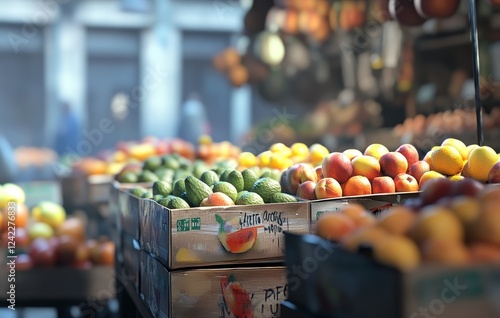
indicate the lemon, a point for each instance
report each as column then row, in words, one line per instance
column 481, row 159
column 282, row 149
column 447, row 160
column 265, row 158
column 317, row 153
column 247, row 159
column 10, row 192
column 457, row 144
column 299, row 149
column 40, row 229
column 50, row 213
column 470, row 148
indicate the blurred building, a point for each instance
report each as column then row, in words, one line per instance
column 124, row 67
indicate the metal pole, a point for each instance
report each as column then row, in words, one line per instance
column 475, row 68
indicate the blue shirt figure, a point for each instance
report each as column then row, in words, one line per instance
column 68, row 132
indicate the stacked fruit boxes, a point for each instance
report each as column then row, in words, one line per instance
column 222, row 261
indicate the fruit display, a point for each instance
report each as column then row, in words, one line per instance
column 45, row 236
column 450, row 223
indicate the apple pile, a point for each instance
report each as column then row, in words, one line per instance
column 45, row 236
column 450, row 223
column 352, row 172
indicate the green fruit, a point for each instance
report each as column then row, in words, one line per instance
column 152, row 163
column 209, row 177
column 249, row 178
column 185, row 198
column 162, row 187
column 266, row 188
column 227, row 164
column 181, row 174
column 225, row 174
column 271, row 173
column 236, row 179
column 282, row 198
column 127, row 177
column 199, row 168
column 219, row 171
column 147, row 195
column 179, row 187
column 250, row 198
column 239, row 195
column 226, row 188
column 157, row 197
column 164, row 201
column 170, row 162
column 148, row 176
column 177, row 203
column 196, row 190
column 138, row 192
column 165, row 174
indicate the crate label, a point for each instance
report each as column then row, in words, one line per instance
column 273, row 222
column 195, row 224
column 186, row 225
column 183, row 225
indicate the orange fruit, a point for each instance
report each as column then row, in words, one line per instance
column 357, row 185
column 334, row 226
column 447, row 160
column 397, row 251
column 363, row 236
column 457, row 144
column 398, row 220
column 481, row 159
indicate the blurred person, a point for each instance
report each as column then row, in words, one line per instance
column 68, row 131
column 193, row 119
column 8, row 165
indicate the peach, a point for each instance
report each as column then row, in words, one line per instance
column 418, row 169
column 445, row 252
column 393, row 163
column 487, row 225
column 319, row 172
column 328, row 188
column 466, row 170
column 410, row 153
column 306, row 190
column 338, row 166
column 397, row 251
column 437, row 223
column 383, row 184
column 363, row 236
column 467, row 186
column 334, row 226
column 358, row 214
column 484, row 252
column 352, row 153
column 405, row 183
column 397, row 220
column 489, row 193
column 494, row 174
column 297, row 174
column 376, row 150
column 467, row 211
column 365, row 166
column 357, row 185
column 429, row 175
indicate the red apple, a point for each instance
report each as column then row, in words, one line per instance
column 435, row 189
column 410, row 153
column 328, row 188
column 467, row 186
column 383, row 184
column 42, row 253
column 306, row 190
column 338, row 166
column 405, row 183
column 418, row 169
column 297, row 174
column 393, row 163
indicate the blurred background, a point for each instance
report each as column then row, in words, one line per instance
column 81, row 76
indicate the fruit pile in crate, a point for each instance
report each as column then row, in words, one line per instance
column 378, row 170
column 45, row 237
column 450, row 222
column 435, row 254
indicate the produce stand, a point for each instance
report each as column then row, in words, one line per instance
column 62, row 288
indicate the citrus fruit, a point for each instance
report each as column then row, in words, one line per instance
column 481, row 159
column 447, row 160
column 457, row 144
